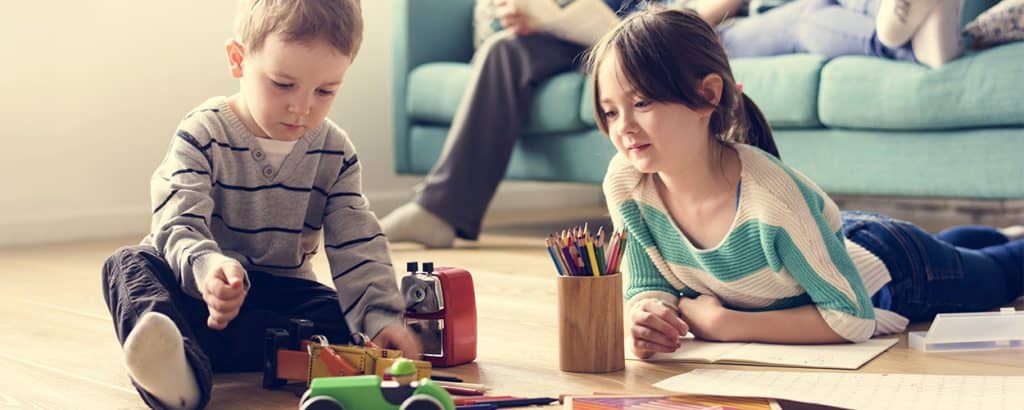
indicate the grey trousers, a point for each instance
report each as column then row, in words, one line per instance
column 492, row 114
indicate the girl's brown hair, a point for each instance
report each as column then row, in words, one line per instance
column 665, row 54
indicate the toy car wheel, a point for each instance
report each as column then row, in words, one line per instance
column 422, row 402
column 321, row 403
column 305, row 396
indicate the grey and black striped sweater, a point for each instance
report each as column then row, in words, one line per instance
column 215, row 196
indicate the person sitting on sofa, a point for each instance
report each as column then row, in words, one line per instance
column 923, row 31
column 506, row 70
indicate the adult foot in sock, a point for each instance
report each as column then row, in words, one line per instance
column 937, row 41
column 154, row 354
column 897, row 20
column 412, row 223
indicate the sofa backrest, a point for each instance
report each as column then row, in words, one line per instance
column 972, row 8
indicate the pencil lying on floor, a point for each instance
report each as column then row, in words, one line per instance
column 575, row 252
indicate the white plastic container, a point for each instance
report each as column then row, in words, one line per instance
column 955, row 332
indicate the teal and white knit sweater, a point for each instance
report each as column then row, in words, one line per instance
column 785, row 249
column 217, row 197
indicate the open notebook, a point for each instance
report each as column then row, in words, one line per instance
column 849, row 356
column 855, row 390
column 667, row 402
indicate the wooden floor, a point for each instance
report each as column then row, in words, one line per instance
column 58, row 350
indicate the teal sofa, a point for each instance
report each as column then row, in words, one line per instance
column 856, row 125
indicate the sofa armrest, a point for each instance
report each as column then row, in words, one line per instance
column 424, row 31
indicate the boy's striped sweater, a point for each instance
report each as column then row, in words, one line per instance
column 785, row 249
column 216, row 197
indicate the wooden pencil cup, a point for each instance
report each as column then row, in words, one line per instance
column 590, row 335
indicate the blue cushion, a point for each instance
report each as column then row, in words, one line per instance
column 784, row 87
column 977, row 163
column 578, row 156
column 980, row 90
column 435, row 90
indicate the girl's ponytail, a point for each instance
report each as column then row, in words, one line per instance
column 759, row 133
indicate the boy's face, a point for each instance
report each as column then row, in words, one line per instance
column 287, row 87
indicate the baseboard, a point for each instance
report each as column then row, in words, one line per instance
column 931, row 213
column 936, row 214
column 134, row 220
column 110, row 223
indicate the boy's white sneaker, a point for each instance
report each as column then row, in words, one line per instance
column 154, row 354
column 412, row 223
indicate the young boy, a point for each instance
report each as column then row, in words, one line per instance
column 239, row 204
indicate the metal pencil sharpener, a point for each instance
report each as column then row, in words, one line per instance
column 441, row 311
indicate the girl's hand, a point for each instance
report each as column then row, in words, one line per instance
column 704, row 315
column 657, row 327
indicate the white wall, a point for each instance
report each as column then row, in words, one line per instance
column 91, row 92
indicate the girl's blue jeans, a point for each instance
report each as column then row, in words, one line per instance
column 830, row 28
column 963, row 269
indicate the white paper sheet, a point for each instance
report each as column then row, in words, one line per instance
column 858, row 390
column 850, row 356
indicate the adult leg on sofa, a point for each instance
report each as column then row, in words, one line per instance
column 492, row 113
column 844, row 30
column 771, row 33
column 898, row 20
column 937, row 40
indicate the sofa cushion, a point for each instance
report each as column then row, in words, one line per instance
column 975, row 163
column 979, row 90
column 435, row 90
column 784, row 87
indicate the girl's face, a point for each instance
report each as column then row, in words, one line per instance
column 653, row 136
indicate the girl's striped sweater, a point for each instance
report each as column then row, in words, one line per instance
column 785, row 249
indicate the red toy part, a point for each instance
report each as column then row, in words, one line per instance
column 336, row 364
column 458, row 331
column 292, row 364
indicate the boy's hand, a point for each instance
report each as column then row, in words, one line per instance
column 224, row 291
column 656, row 328
column 397, row 336
column 512, row 17
column 704, row 315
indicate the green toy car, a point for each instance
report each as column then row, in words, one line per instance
column 371, row 393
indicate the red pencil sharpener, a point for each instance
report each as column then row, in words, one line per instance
column 441, row 311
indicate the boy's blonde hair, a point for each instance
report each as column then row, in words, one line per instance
column 339, row 22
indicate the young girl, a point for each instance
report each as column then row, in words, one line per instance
column 729, row 243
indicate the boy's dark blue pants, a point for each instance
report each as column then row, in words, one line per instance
column 136, row 280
